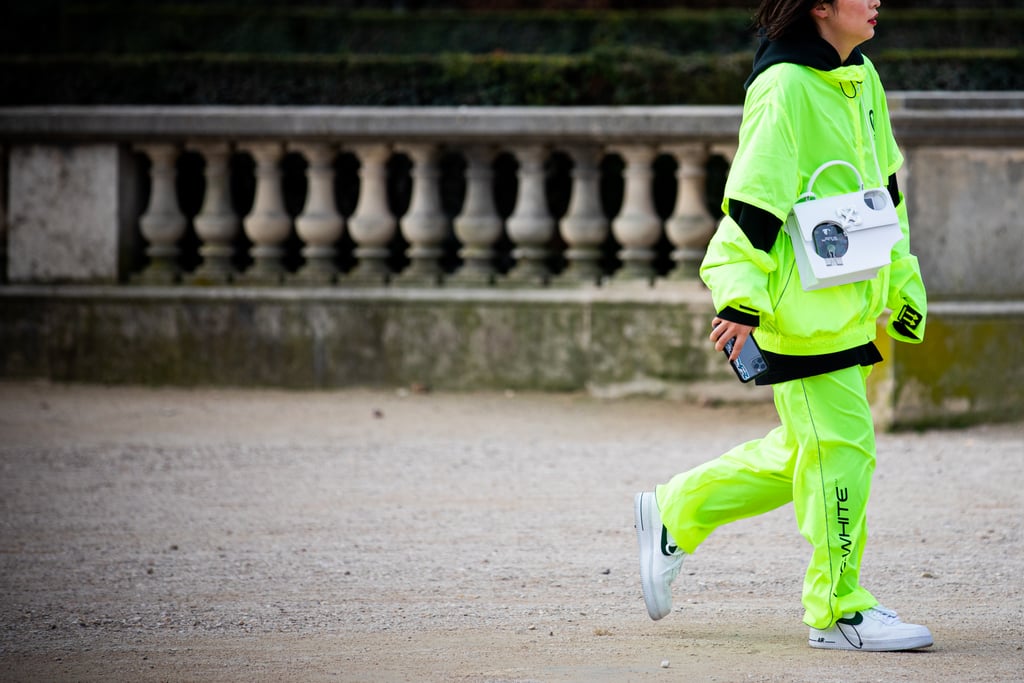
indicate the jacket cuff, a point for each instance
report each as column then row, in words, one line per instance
column 907, row 325
column 743, row 317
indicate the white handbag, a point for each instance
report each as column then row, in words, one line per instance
column 844, row 238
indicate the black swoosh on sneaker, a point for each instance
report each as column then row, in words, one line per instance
column 669, row 550
column 853, row 622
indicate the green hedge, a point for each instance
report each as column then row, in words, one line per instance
column 613, row 76
column 266, row 52
column 999, row 69
column 305, row 30
column 144, row 28
column 604, row 77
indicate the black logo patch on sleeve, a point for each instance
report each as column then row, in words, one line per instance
column 907, row 319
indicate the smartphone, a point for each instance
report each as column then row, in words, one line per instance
column 751, row 363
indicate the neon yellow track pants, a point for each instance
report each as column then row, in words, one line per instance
column 821, row 458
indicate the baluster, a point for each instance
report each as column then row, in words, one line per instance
column 372, row 226
column 531, row 226
column 3, row 214
column 478, row 226
column 216, row 224
column 725, row 150
column 637, row 227
column 585, row 226
column 425, row 225
column 320, row 225
column 162, row 224
column 691, row 226
column 268, row 224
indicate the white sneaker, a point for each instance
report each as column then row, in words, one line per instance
column 660, row 559
column 873, row 630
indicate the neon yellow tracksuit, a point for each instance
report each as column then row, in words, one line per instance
column 822, row 456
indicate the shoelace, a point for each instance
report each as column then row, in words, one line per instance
column 884, row 615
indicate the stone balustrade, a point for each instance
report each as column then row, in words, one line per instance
column 609, row 227
column 400, row 207
column 121, row 174
column 259, row 195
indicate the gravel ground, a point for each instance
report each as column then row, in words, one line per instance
column 229, row 535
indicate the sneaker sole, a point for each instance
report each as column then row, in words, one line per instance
column 643, row 522
column 900, row 645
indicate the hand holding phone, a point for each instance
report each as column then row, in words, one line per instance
column 750, row 364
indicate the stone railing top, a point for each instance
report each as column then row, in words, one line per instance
column 459, row 124
column 965, row 118
column 944, row 99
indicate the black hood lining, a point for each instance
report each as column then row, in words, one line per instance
column 805, row 50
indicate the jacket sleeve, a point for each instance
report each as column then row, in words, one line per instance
column 763, row 176
column 736, row 272
column 906, row 297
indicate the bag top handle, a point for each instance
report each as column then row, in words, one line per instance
column 809, row 194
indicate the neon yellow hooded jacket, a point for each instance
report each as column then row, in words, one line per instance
column 795, row 118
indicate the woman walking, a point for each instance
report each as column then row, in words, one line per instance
column 812, row 98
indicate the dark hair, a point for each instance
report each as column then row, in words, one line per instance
column 781, row 18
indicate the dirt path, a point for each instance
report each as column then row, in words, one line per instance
column 218, row 535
